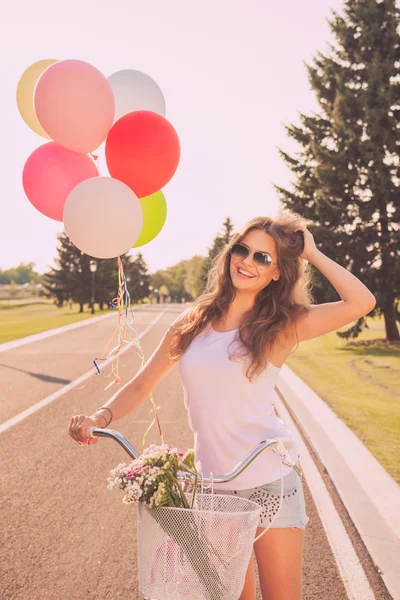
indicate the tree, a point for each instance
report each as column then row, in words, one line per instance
column 72, row 279
column 219, row 242
column 24, row 273
column 173, row 278
column 139, row 278
column 347, row 171
column 193, row 283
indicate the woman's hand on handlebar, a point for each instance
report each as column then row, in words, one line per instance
column 77, row 429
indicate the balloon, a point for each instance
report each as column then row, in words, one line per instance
column 51, row 173
column 103, row 217
column 154, row 214
column 134, row 90
column 75, row 105
column 143, row 151
column 25, row 90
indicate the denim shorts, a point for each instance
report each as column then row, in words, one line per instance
column 292, row 512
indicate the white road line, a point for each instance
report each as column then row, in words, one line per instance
column 350, row 569
column 32, row 409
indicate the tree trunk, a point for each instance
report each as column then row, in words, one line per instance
column 81, row 308
column 392, row 333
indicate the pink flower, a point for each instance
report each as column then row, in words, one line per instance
column 132, row 474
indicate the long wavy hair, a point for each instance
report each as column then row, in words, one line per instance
column 276, row 307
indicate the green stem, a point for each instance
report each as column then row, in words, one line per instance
column 182, row 495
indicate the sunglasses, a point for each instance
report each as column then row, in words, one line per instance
column 262, row 259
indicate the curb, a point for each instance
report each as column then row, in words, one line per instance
column 369, row 493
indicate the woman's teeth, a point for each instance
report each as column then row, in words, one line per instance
column 244, row 274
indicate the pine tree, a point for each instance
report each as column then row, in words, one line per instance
column 138, row 276
column 347, row 171
column 219, row 242
column 72, row 279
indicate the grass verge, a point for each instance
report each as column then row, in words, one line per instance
column 360, row 384
column 27, row 319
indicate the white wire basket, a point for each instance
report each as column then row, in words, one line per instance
column 199, row 553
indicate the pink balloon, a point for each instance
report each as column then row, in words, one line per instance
column 51, row 173
column 75, row 105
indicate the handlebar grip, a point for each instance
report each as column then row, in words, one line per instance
column 89, row 431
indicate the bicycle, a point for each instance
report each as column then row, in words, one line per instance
column 201, row 552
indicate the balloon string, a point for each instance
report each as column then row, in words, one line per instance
column 125, row 298
column 125, row 321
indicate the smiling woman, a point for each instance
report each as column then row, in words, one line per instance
column 257, row 300
column 259, row 284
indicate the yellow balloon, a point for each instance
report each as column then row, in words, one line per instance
column 25, row 90
column 154, row 215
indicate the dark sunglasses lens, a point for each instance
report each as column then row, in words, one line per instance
column 239, row 250
column 263, row 259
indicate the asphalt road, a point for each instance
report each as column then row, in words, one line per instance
column 64, row 535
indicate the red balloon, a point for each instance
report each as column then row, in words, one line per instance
column 143, row 151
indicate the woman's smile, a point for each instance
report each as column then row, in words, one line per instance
column 244, row 274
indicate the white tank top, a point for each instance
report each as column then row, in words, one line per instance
column 228, row 414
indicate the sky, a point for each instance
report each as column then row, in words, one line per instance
column 233, row 75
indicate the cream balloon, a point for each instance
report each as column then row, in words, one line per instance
column 134, row 90
column 103, row 217
column 25, row 90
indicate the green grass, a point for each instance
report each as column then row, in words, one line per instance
column 20, row 318
column 360, row 384
column 26, row 319
column 6, row 303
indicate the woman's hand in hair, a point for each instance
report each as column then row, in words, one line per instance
column 309, row 244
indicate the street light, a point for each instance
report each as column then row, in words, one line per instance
column 93, row 268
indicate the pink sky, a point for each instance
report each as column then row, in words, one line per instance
column 232, row 74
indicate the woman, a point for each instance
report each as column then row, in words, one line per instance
column 257, row 301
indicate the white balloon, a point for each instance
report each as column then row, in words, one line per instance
column 134, row 90
column 103, row 217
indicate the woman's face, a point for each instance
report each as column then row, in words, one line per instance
column 256, row 240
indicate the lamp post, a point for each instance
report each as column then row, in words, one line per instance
column 93, row 268
column 141, row 283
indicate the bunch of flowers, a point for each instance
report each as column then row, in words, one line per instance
column 153, row 477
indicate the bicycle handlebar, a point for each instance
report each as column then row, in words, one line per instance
column 282, row 446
